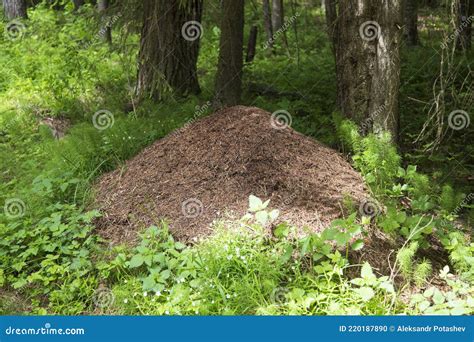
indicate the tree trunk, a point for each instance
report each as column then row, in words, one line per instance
column 411, row 22
column 277, row 15
column 14, row 9
column 367, row 42
column 464, row 24
column 252, row 43
column 267, row 23
column 330, row 8
column 106, row 30
column 229, row 69
column 169, row 48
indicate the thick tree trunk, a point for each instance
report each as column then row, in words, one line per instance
column 229, row 69
column 277, row 15
column 464, row 24
column 14, row 9
column 267, row 23
column 411, row 22
column 252, row 44
column 367, row 42
column 169, row 48
column 106, row 30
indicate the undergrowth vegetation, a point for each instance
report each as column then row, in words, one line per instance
column 52, row 262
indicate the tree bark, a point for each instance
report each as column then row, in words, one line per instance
column 464, row 24
column 267, row 23
column 229, row 69
column 169, row 48
column 277, row 15
column 14, row 9
column 330, row 8
column 367, row 39
column 252, row 43
column 411, row 22
column 106, row 30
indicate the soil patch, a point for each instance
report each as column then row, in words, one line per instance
column 207, row 170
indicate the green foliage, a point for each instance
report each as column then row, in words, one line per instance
column 461, row 253
column 54, row 252
column 458, row 299
column 410, row 269
column 422, row 272
column 157, row 259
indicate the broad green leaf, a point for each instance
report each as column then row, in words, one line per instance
column 282, row 231
column 357, row 245
column 261, row 217
column 366, row 272
column 273, row 215
column 136, row 261
column 366, row 293
column 255, row 203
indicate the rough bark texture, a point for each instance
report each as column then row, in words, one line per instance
column 464, row 24
column 169, row 48
column 267, row 22
column 229, row 69
column 330, row 7
column 277, row 15
column 366, row 36
column 106, row 31
column 252, row 43
column 14, row 9
column 411, row 22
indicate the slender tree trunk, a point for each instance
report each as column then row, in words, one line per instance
column 411, row 22
column 267, row 23
column 330, row 8
column 277, row 15
column 169, row 48
column 252, row 43
column 367, row 42
column 464, row 24
column 106, row 30
column 229, row 69
column 278, row 20
column 14, row 9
